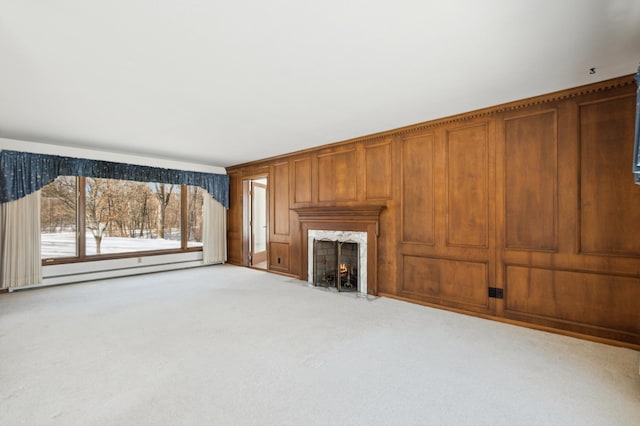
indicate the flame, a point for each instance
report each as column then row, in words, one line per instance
column 343, row 268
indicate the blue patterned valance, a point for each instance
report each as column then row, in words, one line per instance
column 22, row 173
column 636, row 149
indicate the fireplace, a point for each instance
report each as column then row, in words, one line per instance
column 338, row 259
column 351, row 230
column 336, row 264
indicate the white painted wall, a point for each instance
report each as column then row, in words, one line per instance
column 83, row 271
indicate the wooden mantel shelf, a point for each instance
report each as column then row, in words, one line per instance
column 362, row 213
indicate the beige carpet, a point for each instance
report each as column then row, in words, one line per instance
column 224, row 345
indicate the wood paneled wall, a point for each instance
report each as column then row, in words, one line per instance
column 533, row 199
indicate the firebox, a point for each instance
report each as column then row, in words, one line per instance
column 335, row 264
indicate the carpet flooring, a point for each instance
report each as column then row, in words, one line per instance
column 224, row 345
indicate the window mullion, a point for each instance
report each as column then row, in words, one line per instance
column 81, row 219
column 183, row 217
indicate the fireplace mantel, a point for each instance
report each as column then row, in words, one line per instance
column 362, row 218
column 361, row 214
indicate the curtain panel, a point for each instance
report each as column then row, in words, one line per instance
column 23, row 173
column 214, row 235
column 20, row 263
column 636, row 149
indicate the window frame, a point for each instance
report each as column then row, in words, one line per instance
column 81, row 255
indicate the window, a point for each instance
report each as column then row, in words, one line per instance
column 58, row 213
column 117, row 218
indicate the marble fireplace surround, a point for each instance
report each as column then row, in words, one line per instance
column 359, row 224
column 343, row 236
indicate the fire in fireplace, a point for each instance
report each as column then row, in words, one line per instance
column 335, row 264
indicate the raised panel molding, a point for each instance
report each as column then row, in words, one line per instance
column 604, row 303
column 378, row 171
column 530, row 182
column 234, row 223
column 302, row 180
column 418, row 203
column 280, row 187
column 279, row 257
column 467, row 223
column 608, row 197
column 454, row 281
column 337, row 173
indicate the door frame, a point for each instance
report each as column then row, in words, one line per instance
column 246, row 218
column 258, row 257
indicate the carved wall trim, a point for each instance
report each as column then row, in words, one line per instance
column 614, row 83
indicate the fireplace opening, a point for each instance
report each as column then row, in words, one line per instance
column 335, row 264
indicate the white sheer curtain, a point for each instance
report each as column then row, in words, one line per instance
column 20, row 263
column 214, row 235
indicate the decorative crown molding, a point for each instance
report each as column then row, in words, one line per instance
column 602, row 86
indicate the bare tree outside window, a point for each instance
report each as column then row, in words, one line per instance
column 194, row 215
column 163, row 193
column 100, row 208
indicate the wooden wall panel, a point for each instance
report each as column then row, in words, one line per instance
column 447, row 280
column 467, row 187
column 234, row 222
column 279, row 257
column 584, row 300
column 418, row 190
column 280, row 186
column 378, row 173
column 531, row 171
column 609, row 200
column 337, row 172
column 535, row 197
column 302, row 180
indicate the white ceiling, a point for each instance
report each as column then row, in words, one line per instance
column 223, row 83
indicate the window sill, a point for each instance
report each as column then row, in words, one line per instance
column 112, row 256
